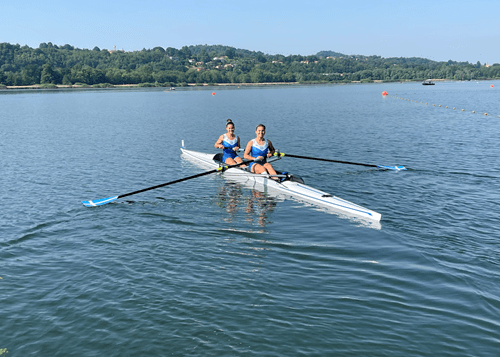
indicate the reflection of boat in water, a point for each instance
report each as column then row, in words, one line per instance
column 291, row 187
column 259, row 205
column 253, row 206
column 428, row 82
column 228, row 198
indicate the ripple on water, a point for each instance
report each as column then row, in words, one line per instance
column 206, row 267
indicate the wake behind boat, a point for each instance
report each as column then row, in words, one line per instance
column 289, row 185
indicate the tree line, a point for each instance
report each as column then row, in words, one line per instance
column 50, row 65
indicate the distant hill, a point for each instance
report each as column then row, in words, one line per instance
column 50, row 65
column 220, row 50
column 325, row 54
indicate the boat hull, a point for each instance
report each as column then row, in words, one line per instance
column 287, row 189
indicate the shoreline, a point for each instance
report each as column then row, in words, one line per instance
column 65, row 86
column 118, row 86
column 191, row 85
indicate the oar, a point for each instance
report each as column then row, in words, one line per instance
column 397, row 168
column 104, row 201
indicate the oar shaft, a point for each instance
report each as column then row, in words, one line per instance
column 329, row 160
column 103, row 201
column 168, row 183
column 222, row 168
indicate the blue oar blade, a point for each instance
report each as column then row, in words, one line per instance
column 395, row 168
column 100, row 202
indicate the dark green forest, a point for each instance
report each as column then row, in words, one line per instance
column 51, row 65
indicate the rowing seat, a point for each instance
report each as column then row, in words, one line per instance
column 218, row 158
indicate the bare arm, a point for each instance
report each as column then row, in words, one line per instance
column 218, row 143
column 248, row 150
column 237, row 147
column 271, row 149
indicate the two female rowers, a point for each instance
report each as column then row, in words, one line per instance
column 257, row 150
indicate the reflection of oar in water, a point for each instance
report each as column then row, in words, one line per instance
column 396, row 168
column 104, row 201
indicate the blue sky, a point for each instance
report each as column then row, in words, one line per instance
column 439, row 30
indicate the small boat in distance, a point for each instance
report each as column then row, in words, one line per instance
column 428, row 82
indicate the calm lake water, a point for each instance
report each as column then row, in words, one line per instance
column 208, row 267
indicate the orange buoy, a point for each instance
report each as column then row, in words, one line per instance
column 384, row 93
column 492, row 86
column 213, row 93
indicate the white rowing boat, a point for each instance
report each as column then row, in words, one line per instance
column 290, row 185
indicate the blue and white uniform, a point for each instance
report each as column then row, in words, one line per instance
column 229, row 144
column 258, row 150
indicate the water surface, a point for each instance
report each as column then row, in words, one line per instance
column 210, row 267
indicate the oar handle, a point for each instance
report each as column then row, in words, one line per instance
column 226, row 148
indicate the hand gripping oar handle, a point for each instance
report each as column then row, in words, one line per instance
column 341, row 162
column 226, row 148
column 103, row 201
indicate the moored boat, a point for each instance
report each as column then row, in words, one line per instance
column 289, row 186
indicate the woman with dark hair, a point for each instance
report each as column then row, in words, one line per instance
column 230, row 143
column 258, row 150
